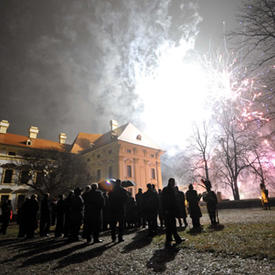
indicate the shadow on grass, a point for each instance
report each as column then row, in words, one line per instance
column 140, row 240
column 9, row 241
column 50, row 256
column 161, row 257
column 27, row 248
column 78, row 258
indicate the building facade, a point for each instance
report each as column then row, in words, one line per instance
column 123, row 152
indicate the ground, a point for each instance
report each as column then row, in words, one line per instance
column 245, row 244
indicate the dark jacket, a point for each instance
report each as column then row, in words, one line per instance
column 193, row 201
column 150, row 203
column 94, row 202
column 118, row 198
column 169, row 203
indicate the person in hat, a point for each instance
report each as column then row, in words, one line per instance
column 118, row 198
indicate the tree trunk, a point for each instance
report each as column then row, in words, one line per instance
column 236, row 193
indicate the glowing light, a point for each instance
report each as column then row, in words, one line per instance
column 179, row 92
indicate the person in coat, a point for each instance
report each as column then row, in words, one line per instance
column 211, row 201
column 76, row 215
column 94, row 202
column 170, row 211
column 45, row 216
column 60, row 216
column 31, row 208
column 6, row 215
column 118, row 198
column 150, row 202
column 182, row 210
column 194, row 209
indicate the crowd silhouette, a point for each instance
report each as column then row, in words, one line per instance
column 86, row 213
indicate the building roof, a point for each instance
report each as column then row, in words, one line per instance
column 36, row 143
column 84, row 142
column 128, row 133
column 132, row 135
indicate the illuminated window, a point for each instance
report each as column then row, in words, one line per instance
column 153, row 173
column 129, row 171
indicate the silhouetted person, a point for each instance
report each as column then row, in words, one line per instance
column 76, row 215
column 21, row 220
column 45, row 216
column 141, row 220
column 131, row 212
column 68, row 213
column 150, row 209
column 106, row 212
column 60, row 216
column 182, row 210
column 160, row 212
column 6, row 215
column 31, row 208
column 194, row 210
column 117, row 198
column 53, row 211
column 170, row 211
column 94, row 202
column 211, row 201
column 85, row 223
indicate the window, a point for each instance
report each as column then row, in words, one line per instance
column 98, row 156
column 11, row 153
column 129, row 151
column 24, row 177
column 138, row 137
column 98, row 175
column 110, row 172
column 129, row 171
column 88, row 159
column 110, row 152
column 153, row 171
column 29, row 142
column 152, row 155
column 8, row 176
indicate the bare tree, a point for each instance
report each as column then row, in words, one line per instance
column 256, row 34
column 253, row 42
column 52, row 171
column 262, row 166
column 202, row 147
column 231, row 157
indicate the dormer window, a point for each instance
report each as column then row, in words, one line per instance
column 138, row 137
column 28, row 142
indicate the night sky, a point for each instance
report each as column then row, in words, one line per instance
column 67, row 66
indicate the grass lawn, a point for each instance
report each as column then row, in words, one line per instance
column 246, row 240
